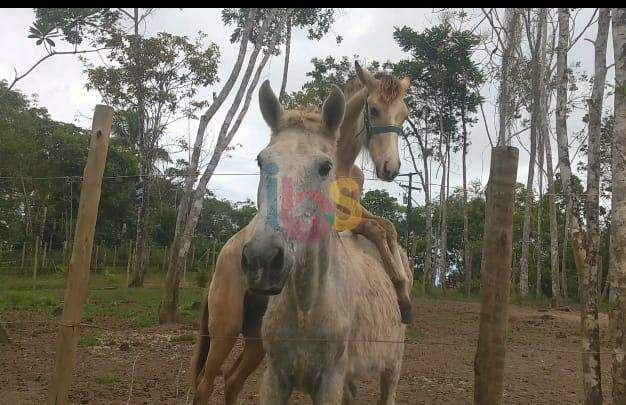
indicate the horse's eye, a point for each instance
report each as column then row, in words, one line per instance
column 259, row 161
column 374, row 112
column 325, row 168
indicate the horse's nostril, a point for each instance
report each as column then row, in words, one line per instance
column 386, row 171
column 276, row 262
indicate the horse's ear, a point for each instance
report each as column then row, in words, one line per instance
column 405, row 83
column 333, row 110
column 365, row 77
column 270, row 106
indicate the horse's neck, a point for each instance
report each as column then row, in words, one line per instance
column 311, row 272
column 352, row 133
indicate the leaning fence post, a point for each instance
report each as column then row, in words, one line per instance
column 78, row 275
column 498, row 251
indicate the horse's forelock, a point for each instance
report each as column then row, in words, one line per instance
column 306, row 119
column 389, row 87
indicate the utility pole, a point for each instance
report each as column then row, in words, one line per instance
column 410, row 188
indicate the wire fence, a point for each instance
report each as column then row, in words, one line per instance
column 301, row 339
column 180, row 357
column 170, row 176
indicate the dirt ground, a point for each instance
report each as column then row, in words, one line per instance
column 542, row 364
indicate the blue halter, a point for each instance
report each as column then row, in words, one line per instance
column 371, row 130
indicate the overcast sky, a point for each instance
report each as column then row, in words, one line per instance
column 59, row 82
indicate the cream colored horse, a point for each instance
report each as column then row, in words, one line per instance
column 230, row 309
column 332, row 318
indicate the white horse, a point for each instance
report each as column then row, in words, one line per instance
column 333, row 316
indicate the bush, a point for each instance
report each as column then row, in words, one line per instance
column 202, row 278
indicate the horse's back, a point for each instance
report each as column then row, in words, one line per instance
column 377, row 330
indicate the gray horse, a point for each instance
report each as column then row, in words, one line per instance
column 333, row 315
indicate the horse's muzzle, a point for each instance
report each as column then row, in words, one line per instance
column 263, row 263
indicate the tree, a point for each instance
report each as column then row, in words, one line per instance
column 617, row 300
column 326, row 72
column 151, row 82
column 380, row 203
column 589, row 273
column 317, row 22
column 585, row 260
column 538, row 50
column 191, row 203
column 44, row 160
column 72, row 26
column 444, row 94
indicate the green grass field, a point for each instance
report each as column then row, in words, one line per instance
column 108, row 297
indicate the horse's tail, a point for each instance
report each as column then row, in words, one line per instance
column 202, row 344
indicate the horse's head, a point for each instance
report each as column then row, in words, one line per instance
column 385, row 113
column 293, row 195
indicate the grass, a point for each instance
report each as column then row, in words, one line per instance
column 183, row 338
column 90, row 340
column 108, row 297
column 414, row 335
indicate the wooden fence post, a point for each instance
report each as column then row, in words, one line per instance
column 495, row 276
column 78, row 274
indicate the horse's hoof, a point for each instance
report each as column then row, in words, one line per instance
column 406, row 312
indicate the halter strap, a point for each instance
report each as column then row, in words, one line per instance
column 372, row 130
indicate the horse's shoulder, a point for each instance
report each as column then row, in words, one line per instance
column 358, row 247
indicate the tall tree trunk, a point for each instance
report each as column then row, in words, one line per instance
column 444, row 219
column 554, row 232
column 466, row 247
column 143, row 214
column 283, row 85
column 505, row 113
column 427, row 278
column 590, row 324
column 536, row 85
column 192, row 172
column 539, row 247
column 145, row 162
column 617, row 292
column 561, row 128
column 607, row 284
column 563, row 270
column 182, row 243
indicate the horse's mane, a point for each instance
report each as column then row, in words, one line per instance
column 389, row 89
column 308, row 119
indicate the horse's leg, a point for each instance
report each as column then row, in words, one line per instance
column 389, row 384
column 372, row 230
column 253, row 353
column 349, row 393
column 274, row 389
column 225, row 305
column 251, row 357
column 332, row 385
column 219, row 350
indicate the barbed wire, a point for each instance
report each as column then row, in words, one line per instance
column 299, row 339
column 134, row 176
